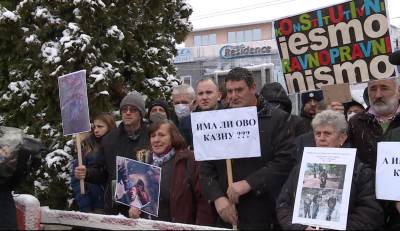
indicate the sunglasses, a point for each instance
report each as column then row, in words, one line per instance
column 125, row 109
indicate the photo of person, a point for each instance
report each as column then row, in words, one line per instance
column 138, row 185
column 321, row 204
column 324, row 176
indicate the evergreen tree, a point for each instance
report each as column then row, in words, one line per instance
column 118, row 42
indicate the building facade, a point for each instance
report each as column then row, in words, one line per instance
column 214, row 51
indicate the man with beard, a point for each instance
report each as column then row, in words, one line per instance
column 368, row 128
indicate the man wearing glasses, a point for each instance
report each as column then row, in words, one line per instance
column 125, row 140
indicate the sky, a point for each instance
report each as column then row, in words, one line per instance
column 216, row 13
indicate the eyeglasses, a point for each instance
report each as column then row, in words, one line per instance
column 125, row 109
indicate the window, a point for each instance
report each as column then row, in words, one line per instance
column 187, row 79
column 197, row 40
column 205, row 40
column 212, row 39
column 256, row 34
column 244, row 36
column 248, row 35
column 231, row 37
column 240, row 36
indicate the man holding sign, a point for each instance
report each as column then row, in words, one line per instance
column 127, row 140
column 249, row 201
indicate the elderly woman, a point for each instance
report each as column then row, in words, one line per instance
column 180, row 196
column 365, row 212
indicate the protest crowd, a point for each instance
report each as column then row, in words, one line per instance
column 243, row 193
column 264, row 188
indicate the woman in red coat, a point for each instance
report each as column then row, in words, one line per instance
column 181, row 200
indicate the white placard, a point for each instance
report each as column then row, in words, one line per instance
column 388, row 171
column 226, row 134
column 325, row 175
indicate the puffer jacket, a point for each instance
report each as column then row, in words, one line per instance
column 265, row 174
column 365, row 212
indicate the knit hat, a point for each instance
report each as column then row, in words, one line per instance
column 134, row 98
column 307, row 96
column 161, row 103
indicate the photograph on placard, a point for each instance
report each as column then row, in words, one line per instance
column 324, row 176
column 74, row 103
column 321, row 204
column 138, row 185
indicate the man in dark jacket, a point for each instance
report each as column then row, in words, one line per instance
column 207, row 98
column 368, row 128
column 127, row 140
column 256, row 181
column 275, row 95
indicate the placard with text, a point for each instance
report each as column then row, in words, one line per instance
column 343, row 43
column 388, row 171
column 226, row 134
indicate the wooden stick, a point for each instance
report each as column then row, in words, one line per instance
column 79, row 148
column 230, row 179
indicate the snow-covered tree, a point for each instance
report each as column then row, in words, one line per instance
column 118, row 42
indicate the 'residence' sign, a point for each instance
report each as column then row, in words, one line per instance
column 344, row 43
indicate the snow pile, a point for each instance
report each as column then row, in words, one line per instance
column 110, row 222
column 114, row 32
column 51, row 51
column 7, row 15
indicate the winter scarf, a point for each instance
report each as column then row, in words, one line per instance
column 160, row 160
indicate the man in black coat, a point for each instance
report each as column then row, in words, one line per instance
column 249, row 202
column 127, row 140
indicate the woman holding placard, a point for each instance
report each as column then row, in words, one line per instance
column 330, row 130
column 180, row 196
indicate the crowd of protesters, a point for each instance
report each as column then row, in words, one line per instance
column 263, row 191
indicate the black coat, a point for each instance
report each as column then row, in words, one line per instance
column 265, row 174
column 115, row 143
column 365, row 212
column 365, row 132
column 8, row 217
